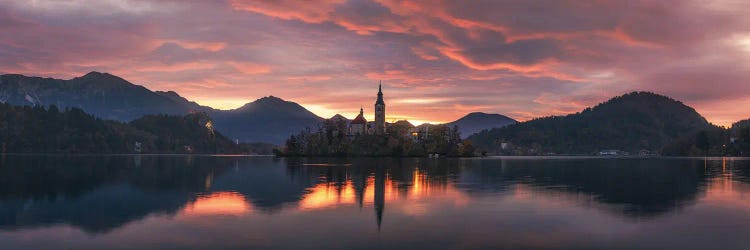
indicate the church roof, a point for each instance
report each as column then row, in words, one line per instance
column 359, row 120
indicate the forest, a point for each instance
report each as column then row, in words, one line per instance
column 38, row 129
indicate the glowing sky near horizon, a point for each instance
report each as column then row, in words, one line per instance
column 438, row 59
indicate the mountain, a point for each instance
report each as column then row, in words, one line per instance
column 184, row 102
column 101, row 94
column 403, row 123
column 269, row 119
column 478, row 121
column 632, row 122
column 339, row 117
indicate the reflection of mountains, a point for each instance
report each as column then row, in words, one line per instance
column 98, row 194
column 95, row 193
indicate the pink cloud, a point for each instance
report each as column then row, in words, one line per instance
column 308, row 11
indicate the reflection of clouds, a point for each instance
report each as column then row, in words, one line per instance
column 327, row 195
column 218, row 203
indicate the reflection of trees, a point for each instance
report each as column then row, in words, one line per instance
column 739, row 170
column 102, row 193
column 98, row 194
column 266, row 184
column 629, row 187
column 640, row 187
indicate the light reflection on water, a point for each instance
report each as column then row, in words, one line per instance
column 131, row 202
column 218, row 203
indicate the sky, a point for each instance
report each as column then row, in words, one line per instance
column 437, row 59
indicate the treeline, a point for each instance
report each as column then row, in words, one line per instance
column 331, row 139
column 25, row 129
column 713, row 142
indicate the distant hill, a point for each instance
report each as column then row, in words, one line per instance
column 268, row 119
column 403, row 123
column 478, row 121
column 632, row 122
column 106, row 96
column 339, row 117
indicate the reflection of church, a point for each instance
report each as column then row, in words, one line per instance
column 373, row 184
column 360, row 126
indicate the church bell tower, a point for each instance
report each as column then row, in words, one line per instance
column 380, row 112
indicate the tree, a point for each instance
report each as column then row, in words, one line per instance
column 701, row 141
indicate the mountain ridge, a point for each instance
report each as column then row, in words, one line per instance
column 111, row 97
column 101, row 94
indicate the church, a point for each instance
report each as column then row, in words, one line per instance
column 360, row 126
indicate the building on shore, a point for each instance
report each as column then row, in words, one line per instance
column 360, row 125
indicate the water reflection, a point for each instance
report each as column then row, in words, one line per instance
column 634, row 187
column 377, row 201
column 218, row 203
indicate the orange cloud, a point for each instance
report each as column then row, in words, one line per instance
column 250, row 68
column 209, row 46
column 308, row 11
column 177, row 67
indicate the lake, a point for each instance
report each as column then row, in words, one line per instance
column 225, row 202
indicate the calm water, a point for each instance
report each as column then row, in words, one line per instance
column 144, row 202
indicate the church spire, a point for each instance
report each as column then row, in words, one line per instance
column 380, row 94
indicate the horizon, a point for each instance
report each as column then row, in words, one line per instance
column 438, row 60
column 370, row 118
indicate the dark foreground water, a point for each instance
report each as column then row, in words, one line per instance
column 145, row 202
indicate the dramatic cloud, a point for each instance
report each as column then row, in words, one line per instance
column 438, row 59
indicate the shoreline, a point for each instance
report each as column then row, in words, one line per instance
column 132, row 154
column 511, row 157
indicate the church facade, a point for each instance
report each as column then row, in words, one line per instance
column 358, row 126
